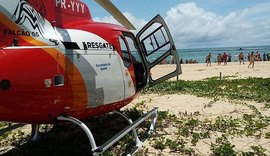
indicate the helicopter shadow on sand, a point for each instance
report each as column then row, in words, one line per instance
column 67, row 139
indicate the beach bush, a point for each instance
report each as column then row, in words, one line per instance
column 223, row 147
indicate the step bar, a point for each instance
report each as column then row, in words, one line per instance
column 10, row 127
column 131, row 127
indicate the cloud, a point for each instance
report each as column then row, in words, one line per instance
column 193, row 26
column 137, row 22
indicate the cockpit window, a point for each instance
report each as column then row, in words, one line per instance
column 136, row 60
column 134, row 51
column 125, row 52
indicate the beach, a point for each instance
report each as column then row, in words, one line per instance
column 207, row 108
column 233, row 69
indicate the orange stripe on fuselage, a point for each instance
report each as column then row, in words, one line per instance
column 78, row 92
column 78, row 89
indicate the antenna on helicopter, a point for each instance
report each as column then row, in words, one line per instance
column 116, row 13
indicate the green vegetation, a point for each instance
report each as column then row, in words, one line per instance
column 192, row 130
column 224, row 128
column 3, row 124
column 223, row 147
column 257, row 89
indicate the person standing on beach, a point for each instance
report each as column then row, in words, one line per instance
column 172, row 60
column 208, row 59
column 248, row 57
column 225, row 58
column 257, row 56
column 219, row 58
column 251, row 60
column 264, row 57
column 241, row 58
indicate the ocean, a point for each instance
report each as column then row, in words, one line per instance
column 199, row 54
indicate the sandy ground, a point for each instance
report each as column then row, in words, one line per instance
column 201, row 71
column 208, row 108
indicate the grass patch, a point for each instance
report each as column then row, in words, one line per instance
column 255, row 89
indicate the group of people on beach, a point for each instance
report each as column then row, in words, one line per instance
column 190, row 61
column 225, row 58
column 251, row 57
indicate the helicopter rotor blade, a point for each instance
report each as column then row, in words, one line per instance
column 116, row 13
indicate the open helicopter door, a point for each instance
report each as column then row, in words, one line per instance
column 158, row 48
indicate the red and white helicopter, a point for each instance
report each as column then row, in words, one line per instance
column 57, row 64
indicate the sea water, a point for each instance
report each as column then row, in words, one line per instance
column 199, row 54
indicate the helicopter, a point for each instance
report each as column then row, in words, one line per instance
column 58, row 64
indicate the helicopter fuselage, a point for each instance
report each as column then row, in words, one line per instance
column 56, row 61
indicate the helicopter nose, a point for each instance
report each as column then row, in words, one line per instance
column 5, row 83
column 5, row 87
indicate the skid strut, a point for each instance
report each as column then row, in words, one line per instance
column 131, row 127
column 35, row 132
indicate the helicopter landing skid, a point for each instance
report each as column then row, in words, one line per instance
column 131, row 127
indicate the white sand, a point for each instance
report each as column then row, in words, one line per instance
column 234, row 69
column 208, row 108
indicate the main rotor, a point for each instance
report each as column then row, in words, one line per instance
column 116, row 13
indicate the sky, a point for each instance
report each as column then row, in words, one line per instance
column 199, row 23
